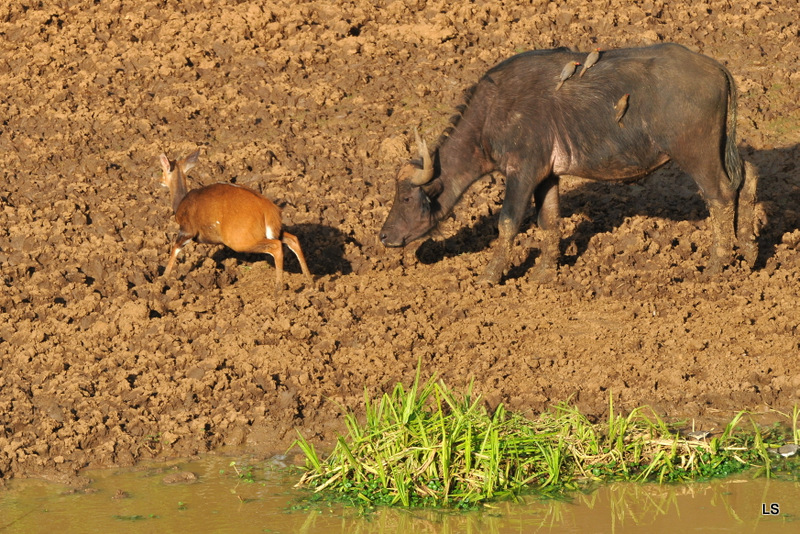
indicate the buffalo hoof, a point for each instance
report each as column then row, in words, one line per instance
column 715, row 268
column 494, row 272
column 544, row 273
column 749, row 252
column 489, row 278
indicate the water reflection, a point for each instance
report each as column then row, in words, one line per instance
column 221, row 498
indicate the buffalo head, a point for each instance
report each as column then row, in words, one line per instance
column 415, row 209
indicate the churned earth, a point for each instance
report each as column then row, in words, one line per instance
column 105, row 362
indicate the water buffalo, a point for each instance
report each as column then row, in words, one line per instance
column 680, row 106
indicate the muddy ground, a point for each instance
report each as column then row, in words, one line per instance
column 105, row 362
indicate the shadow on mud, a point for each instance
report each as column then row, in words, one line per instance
column 668, row 193
column 323, row 247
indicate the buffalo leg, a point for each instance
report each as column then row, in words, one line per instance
column 722, row 219
column 547, row 202
column 720, row 197
column 517, row 200
column 721, row 201
column 746, row 230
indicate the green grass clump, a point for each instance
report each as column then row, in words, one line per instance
column 427, row 446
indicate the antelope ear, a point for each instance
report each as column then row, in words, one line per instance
column 433, row 188
column 165, row 163
column 190, row 160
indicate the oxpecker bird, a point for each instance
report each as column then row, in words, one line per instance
column 566, row 72
column 621, row 107
column 591, row 59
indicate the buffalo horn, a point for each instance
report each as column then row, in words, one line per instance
column 425, row 174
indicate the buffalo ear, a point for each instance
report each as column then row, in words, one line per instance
column 433, row 189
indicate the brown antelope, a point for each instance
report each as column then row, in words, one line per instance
column 227, row 214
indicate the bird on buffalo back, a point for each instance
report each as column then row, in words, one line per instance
column 591, row 59
column 621, row 107
column 566, row 73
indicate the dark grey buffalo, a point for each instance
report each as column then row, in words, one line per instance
column 680, row 105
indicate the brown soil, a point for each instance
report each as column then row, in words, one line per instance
column 104, row 362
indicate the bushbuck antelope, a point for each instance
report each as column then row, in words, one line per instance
column 227, row 214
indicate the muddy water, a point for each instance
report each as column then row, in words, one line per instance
column 210, row 496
